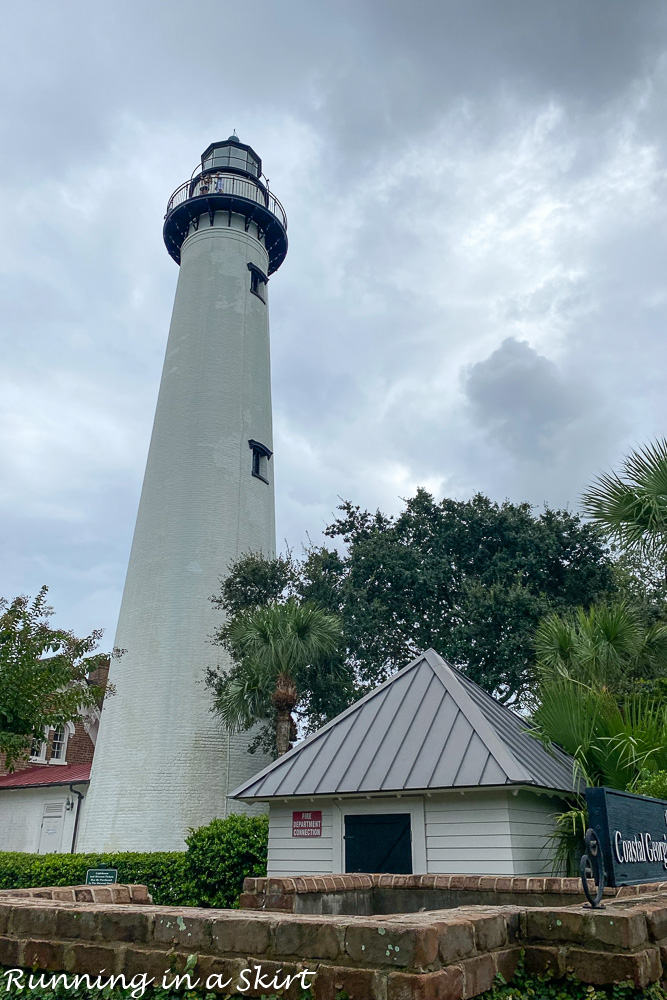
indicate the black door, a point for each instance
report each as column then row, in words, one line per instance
column 378, row 843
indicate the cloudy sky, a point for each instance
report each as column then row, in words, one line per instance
column 475, row 294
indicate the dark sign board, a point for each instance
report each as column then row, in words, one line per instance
column 101, row 876
column 632, row 831
column 307, row 824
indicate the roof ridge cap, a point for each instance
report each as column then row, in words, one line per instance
column 494, row 743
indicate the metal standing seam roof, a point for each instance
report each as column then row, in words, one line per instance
column 428, row 727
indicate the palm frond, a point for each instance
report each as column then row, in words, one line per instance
column 632, row 507
column 245, row 697
column 567, row 839
column 569, row 715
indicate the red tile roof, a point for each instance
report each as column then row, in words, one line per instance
column 47, row 774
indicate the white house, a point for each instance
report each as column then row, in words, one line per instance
column 41, row 801
column 426, row 774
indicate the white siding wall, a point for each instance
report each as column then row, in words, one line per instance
column 290, row 855
column 21, row 812
column 532, row 825
column 469, row 834
column 491, row 832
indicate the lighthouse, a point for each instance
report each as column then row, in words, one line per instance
column 163, row 763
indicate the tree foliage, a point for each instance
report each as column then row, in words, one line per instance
column 44, row 674
column 472, row 579
column 254, row 581
column 640, row 577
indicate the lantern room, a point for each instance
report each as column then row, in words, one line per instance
column 232, row 155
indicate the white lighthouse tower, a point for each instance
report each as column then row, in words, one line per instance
column 163, row 763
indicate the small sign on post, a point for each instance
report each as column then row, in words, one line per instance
column 307, row 824
column 101, row 876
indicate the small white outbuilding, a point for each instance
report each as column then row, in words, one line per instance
column 427, row 774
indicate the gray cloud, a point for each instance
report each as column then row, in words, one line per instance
column 474, row 296
column 523, row 401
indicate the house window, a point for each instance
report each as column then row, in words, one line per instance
column 38, row 750
column 58, row 744
column 258, row 282
column 59, row 740
column 261, row 456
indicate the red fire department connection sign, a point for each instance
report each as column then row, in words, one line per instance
column 307, row 824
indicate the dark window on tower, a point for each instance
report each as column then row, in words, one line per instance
column 258, row 282
column 261, row 456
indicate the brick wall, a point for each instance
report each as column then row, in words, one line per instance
column 80, row 750
column 453, row 954
column 82, row 893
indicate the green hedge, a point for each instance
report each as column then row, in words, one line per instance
column 209, row 873
column 166, row 873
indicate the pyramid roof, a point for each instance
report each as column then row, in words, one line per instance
column 428, row 727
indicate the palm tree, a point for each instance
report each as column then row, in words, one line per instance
column 616, row 745
column 632, row 506
column 608, row 646
column 611, row 743
column 586, row 667
column 273, row 646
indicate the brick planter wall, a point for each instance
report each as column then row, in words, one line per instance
column 83, row 893
column 374, row 894
column 449, row 954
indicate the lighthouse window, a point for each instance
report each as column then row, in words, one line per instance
column 258, row 282
column 261, row 456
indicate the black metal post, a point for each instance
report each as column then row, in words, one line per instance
column 592, row 859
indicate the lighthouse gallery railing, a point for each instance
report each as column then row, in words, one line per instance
column 230, row 184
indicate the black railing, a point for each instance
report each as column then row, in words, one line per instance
column 230, row 184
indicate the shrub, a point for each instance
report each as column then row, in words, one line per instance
column 164, row 872
column 653, row 783
column 223, row 853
